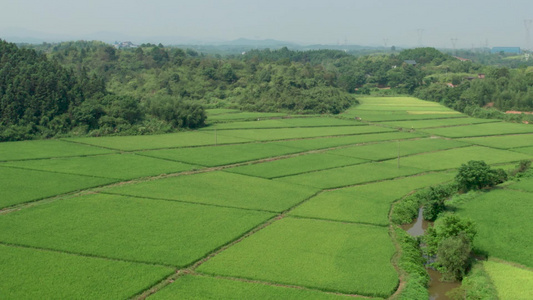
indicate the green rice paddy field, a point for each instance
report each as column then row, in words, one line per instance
column 284, row 207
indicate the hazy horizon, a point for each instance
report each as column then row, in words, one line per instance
column 374, row 23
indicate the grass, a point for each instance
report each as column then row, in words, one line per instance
column 502, row 141
column 486, row 129
column 298, row 133
column 159, row 141
column 284, row 123
column 369, row 203
column 223, row 189
column 503, row 221
column 418, row 124
column 19, row 185
column 37, row 274
column 329, row 256
column 296, row 165
column 388, row 150
column 345, row 176
column 204, row 287
column 118, row 166
column 511, row 282
column 453, row 158
column 525, row 184
column 45, row 149
column 223, row 154
column 141, row 230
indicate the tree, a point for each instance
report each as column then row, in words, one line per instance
column 453, row 257
column 448, row 226
column 434, row 200
column 476, row 174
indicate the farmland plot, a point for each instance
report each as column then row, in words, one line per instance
column 418, row 124
column 204, row 287
column 503, row 222
column 388, row 150
column 285, row 123
column 40, row 274
column 351, row 175
column 502, row 141
column 316, row 254
column 328, row 142
column 486, row 129
column 511, row 282
column 221, row 189
column 223, row 154
column 453, row 158
column 171, row 140
column 525, row 184
column 369, row 203
column 139, row 230
column 242, row 116
column 381, row 116
column 45, row 149
column 20, row 185
column 296, row 165
column 298, row 133
column 525, row 150
column 118, row 166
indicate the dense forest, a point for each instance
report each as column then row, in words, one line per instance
column 92, row 88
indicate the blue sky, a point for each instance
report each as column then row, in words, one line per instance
column 371, row 22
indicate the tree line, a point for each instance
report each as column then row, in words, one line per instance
column 92, row 88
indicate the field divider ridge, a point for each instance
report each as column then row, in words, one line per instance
column 188, row 202
column 87, row 255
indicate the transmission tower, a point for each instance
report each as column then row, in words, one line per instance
column 419, row 32
column 385, row 42
column 527, row 24
column 454, row 42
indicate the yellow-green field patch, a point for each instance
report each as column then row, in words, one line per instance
column 512, row 283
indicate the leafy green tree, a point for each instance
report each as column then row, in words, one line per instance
column 453, row 257
column 448, row 226
column 476, row 175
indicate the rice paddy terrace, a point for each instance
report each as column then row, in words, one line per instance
column 254, row 206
